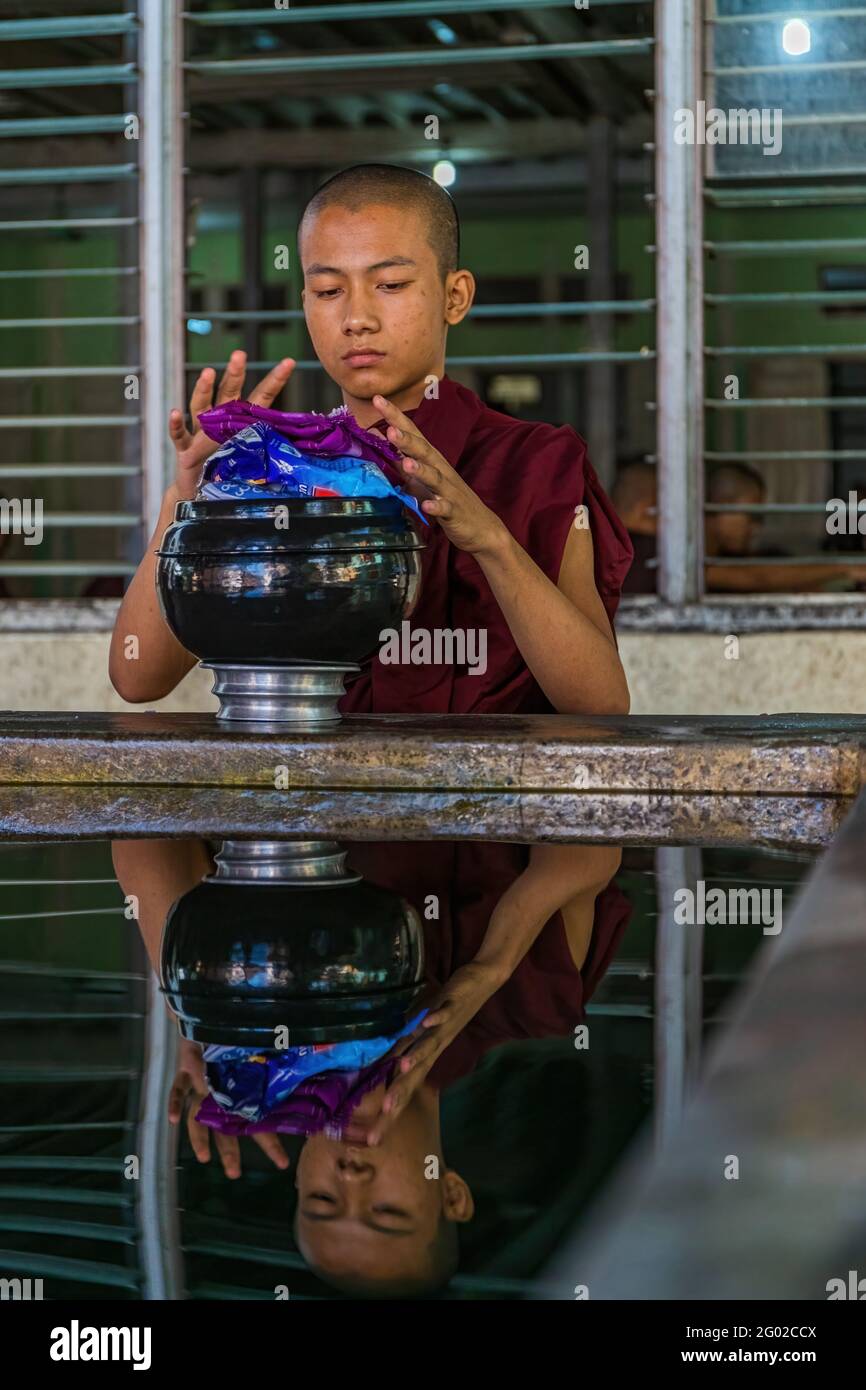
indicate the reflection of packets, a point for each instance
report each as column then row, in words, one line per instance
column 251, row 1084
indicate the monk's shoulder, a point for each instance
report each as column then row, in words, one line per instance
column 535, row 437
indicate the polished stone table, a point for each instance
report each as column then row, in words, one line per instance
column 776, row 780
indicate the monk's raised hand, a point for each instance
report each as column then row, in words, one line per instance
column 444, row 497
column 193, row 446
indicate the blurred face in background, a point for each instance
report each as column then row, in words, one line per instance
column 734, row 533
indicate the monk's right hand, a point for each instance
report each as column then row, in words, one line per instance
column 188, row 1090
column 193, row 447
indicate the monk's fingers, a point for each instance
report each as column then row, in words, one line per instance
column 403, row 432
column 379, row 1129
column 230, row 1154
column 399, row 1094
column 271, row 1145
column 199, row 1137
column 392, row 1106
column 202, row 394
column 198, row 1072
column 417, row 449
column 403, row 1044
column 177, row 1096
column 270, row 386
column 438, row 1015
column 178, row 432
column 391, row 413
column 201, row 446
column 232, row 379
column 422, row 1052
column 430, row 472
column 440, row 507
column 355, row 1134
column 415, row 488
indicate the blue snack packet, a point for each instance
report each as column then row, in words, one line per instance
column 259, row 462
column 251, row 1084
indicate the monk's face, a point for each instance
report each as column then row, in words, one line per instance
column 371, row 1213
column 376, row 303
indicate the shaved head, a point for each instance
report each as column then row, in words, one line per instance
column 734, row 482
column 392, row 186
column 634, row 484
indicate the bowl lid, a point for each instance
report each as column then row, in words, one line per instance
column 327, row 1019
column 307, row 523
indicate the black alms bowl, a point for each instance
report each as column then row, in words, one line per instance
column 239, row 960
column 288, row 580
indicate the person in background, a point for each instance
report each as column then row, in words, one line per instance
column 634, row 497
column 727, row 535
column 852, row 540
column 734, row 534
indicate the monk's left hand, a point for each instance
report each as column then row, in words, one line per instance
column 439, row 489
column 449, row 1011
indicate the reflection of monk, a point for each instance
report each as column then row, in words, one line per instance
column 157, row 873
column 521, row 939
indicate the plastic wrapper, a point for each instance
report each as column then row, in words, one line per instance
column 252, row 1091
column 337, row 435
column 259, row 461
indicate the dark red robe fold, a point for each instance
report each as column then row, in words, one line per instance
column 547, row 994
column 532, row 476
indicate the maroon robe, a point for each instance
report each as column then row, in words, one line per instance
column 547, row 993
column 532, row 476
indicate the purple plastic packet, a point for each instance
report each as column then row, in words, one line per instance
column 259, row 461
column 337, row 435
column 322, row 1104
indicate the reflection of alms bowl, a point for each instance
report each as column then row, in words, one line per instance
column 287, row 580
column 329, row 963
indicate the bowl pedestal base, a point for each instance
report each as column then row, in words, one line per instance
column 287, row 694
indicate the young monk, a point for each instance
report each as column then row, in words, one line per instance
column 522, row 542
column 523, row 937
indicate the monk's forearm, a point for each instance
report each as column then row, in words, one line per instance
column 555, row 875
column 753, row 577
column 146, row 661
column 574, row 662
column 153, row 874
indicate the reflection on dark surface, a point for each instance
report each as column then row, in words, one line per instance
column 283, row 935
column 459, row 1175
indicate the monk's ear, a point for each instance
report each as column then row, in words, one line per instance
column 458, row 1204
column 459, row 295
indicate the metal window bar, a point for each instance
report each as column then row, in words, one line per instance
column 679, row 291
column 76, row 1222
column 62, row 1267
column 205, row 65
column 375, row 9
column 489, row 311
column 415, row 58
column 733, row 81
column 145, row 224
column 148, row 233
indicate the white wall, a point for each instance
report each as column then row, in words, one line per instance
column 669, row 673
